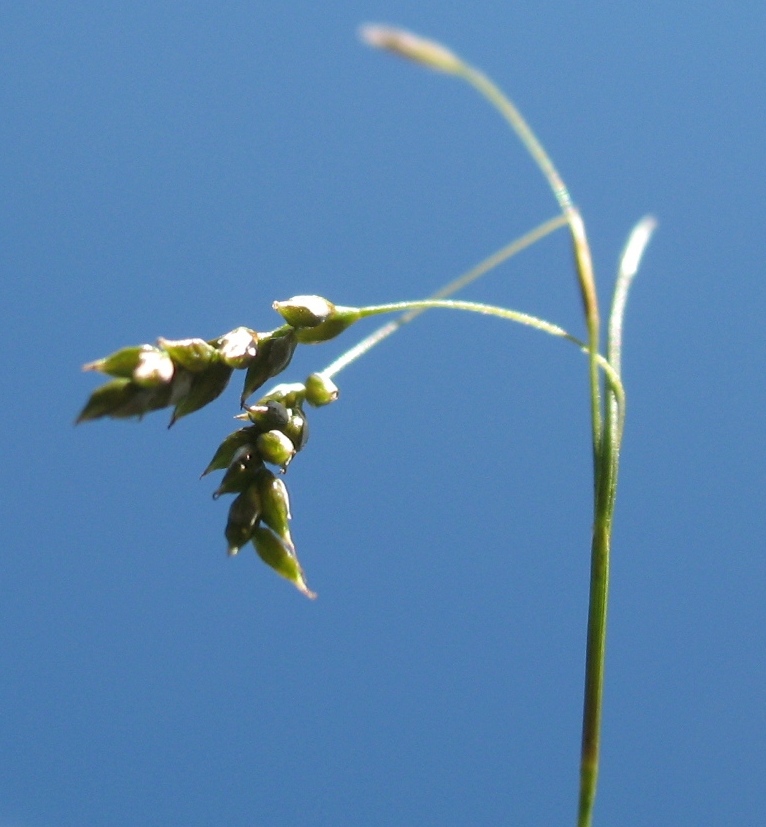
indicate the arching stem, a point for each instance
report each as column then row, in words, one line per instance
column 487, row 310
column 449, row 289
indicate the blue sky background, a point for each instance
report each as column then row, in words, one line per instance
column 171, row 169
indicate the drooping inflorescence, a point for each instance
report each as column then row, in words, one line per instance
column 188, row 374
column 260, row 512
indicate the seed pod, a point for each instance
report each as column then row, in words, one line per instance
column 290, row 394
column 275, row 504
column 276, row 448
column 320, row 390
column 238, row 348
column 121, row 399
column 229, row 447
column 154, row 367
column 334, row 325
column 193, row 355
column 154, row 400
column 268, row 415
column 203, row 389
column 242, row 471
column 281, row 557
column 121, row 363
column 297, row 429
column 274, row 355
column 281, row 352
column 305, row 311
column 108, row 398
column 244, row 514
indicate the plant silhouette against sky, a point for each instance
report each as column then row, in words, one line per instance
column 188, row 374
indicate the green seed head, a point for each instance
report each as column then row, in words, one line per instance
column 268, row 415
column 281, row 557
column 228, row 448
column 290, row 394
column 121, row 363
column 154, row 367
column 107, row 399
column 340, row 319
column 193, row 355
column 193, row 391
column 242, row 471
column 275, row 448
column 275, row 504
column 297, row 429
column 239, row 347
column 122, row 399
column 244, row 514
column 320, row 390
column 274, row 355
column 305, row 311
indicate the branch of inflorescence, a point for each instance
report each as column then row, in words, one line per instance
column 420, row 306
column 611, row 364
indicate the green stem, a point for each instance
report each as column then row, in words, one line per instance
column 608, row 424
column 517, row 122
column 605, row 490
column 630, row 261
column 605, row 451
column 526, row 319
column 583, row 259
column 606, row 493
column 596, row 645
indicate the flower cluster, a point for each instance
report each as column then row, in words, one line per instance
column 260, row 513
column 188, row 374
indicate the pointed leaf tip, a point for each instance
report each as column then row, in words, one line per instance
column 412, row 47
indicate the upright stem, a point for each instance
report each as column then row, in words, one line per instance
column 607, row 422
column 606, row 492
column 596, row 636
column 605, row 451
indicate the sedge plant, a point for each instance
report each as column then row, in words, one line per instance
column 187, row 374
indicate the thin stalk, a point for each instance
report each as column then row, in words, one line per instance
column 602, row 530
column 526, row 319
column 596, row 637
column 449, row 289
column 438, row 57
column 583, row 259
column 491, row 92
